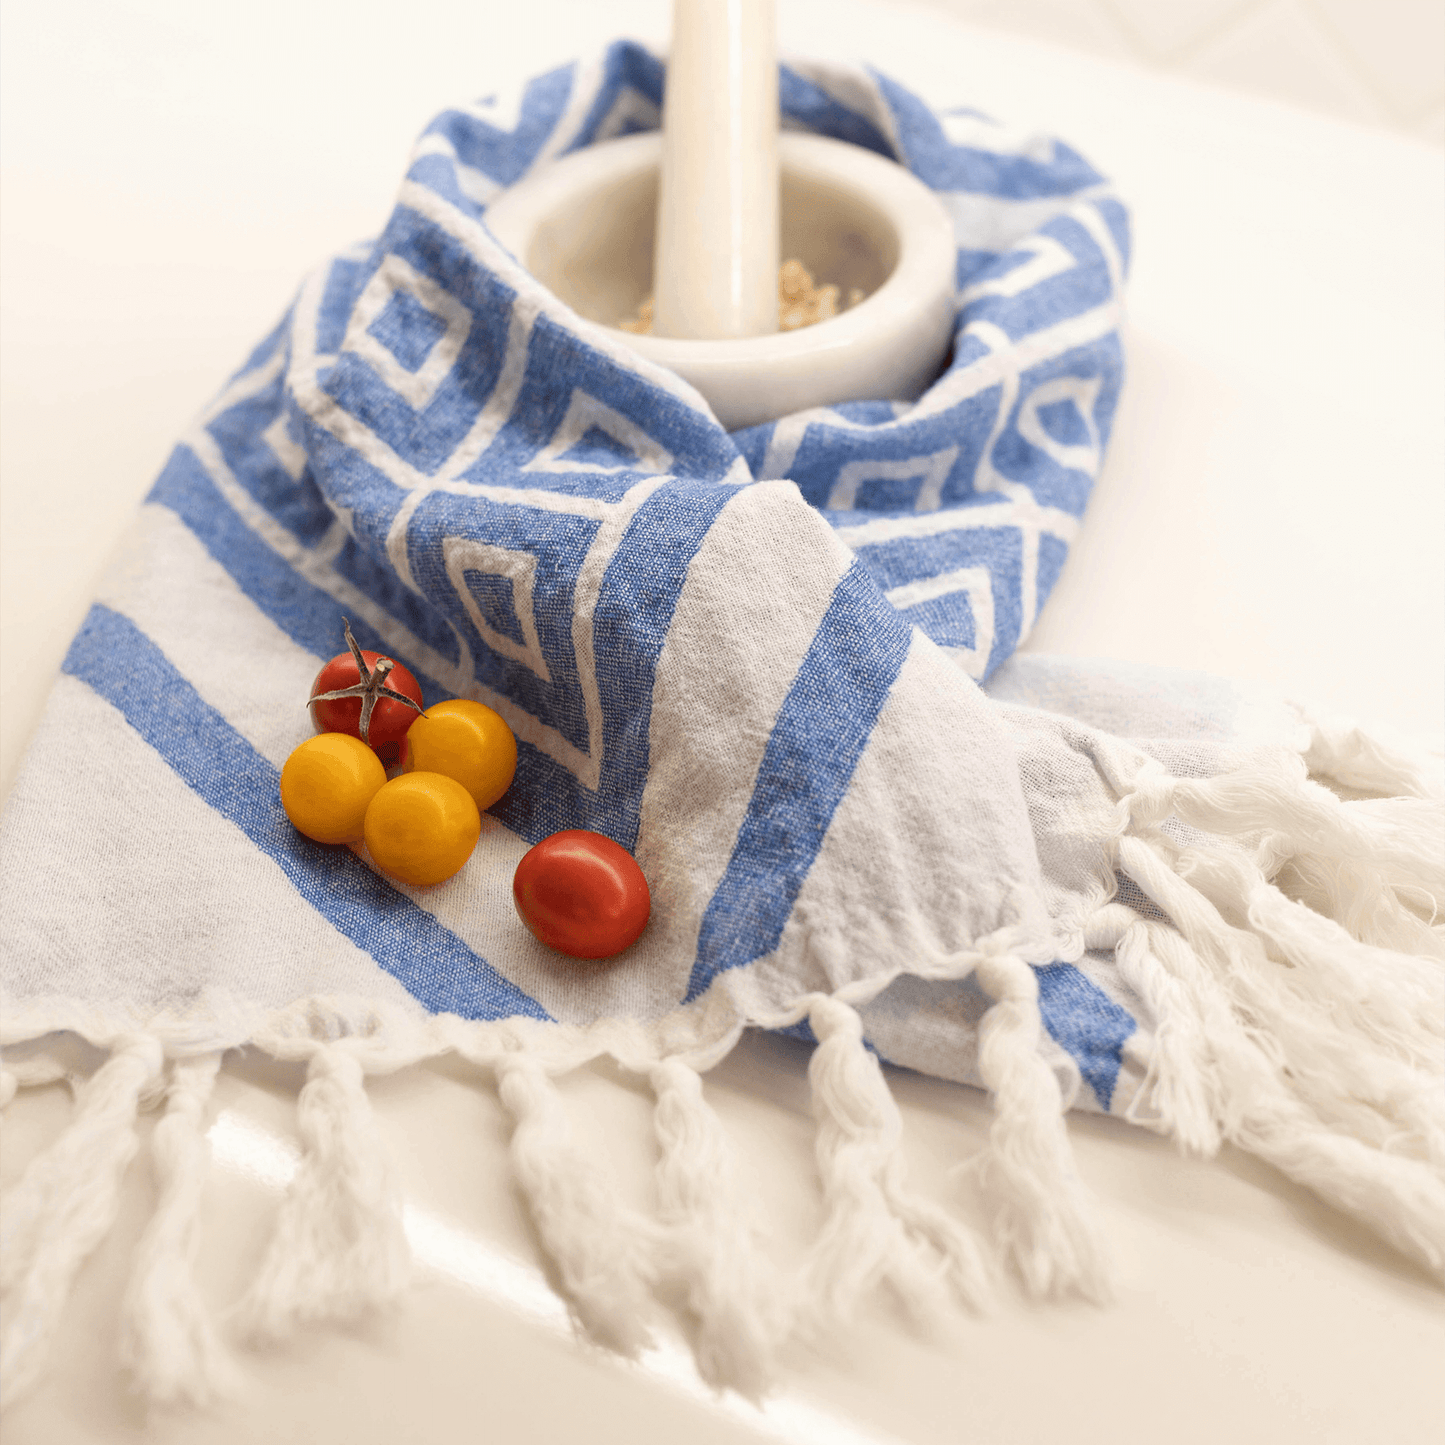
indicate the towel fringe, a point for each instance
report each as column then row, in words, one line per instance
column 605, row 1255
column 1179, row 1084
column 1402, row 918
column 712, row 1246
column 1393, row 842
column 64, row 1205
column 1391, row 999
column 339, row 1248
column 876, row 1230
column 168, row 1340
column 1292, row 972
column 1399, row 1198
column 1292, row 1078
column 1312, row 1031
column 1046, row 1222
column 1340, row 749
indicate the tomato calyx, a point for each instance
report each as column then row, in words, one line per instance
column 370, row 688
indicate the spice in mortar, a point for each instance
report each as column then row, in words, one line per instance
column 800, row 301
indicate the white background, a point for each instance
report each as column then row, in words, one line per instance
column 1271, row 508
column 1380, row 62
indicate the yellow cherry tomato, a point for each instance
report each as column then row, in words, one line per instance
column 422, row 827
column 328, row 784
column 466, row 741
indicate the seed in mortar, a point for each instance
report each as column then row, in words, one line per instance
column 800, row 301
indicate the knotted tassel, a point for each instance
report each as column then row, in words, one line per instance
column 1342, row 750
column 1344, row 1054
column 1393, row 1000
column 1177, row 1085
column 339, row 1247
column 1394, row 842
column 713, row 1247
column 1045, row 1222
column 1373, row 866
column 1399, row 1198
column 1319, row 1102
column 605, row 1255
column 64, row 1205
column 876, row 1230
column 1356, row 896
column 168, row 1341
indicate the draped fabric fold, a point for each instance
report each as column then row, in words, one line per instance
column 755, row 661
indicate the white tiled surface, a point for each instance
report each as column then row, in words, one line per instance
column 1376, row 61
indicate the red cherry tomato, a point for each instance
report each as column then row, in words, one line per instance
column 582, row 894
column 389, row 716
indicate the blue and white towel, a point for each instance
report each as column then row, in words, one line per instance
column 754, row 660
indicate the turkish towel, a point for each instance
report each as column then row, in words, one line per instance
column 753, row 660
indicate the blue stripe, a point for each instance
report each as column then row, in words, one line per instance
column 972, row 266
column 1084, row 1020
column 1085, row 285
column 113, row 657
column 427, row 436
column 806, row 102
column 559, row 361
column 944, row 166
column 627, row 64
column 634, row 611
column 344, row 284
column 1117, row 220
column 821, row 731
column 504, row 155
column 439, row 175
column 310, row 617
column 240, row 433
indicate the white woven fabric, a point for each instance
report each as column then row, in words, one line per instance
column 1081, row 885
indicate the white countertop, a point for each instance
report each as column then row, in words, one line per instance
column 1271, row 508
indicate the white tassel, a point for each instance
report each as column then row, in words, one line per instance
column 1394, row 843
column 1401, row 1199
column 168, row 1341
column 1342, row 750
column 339, row 1247
column 713, row 1247
column 1391, row 999
column 1317, row 1101
column 1046, row 1219
column 1362, row 901
column 605, row 1255
column 64, row 1205
column 1318, row 1029
column 876, row 1230
column 1177, row 1084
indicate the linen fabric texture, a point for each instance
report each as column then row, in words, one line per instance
column 755, row 661
column 700, row 657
